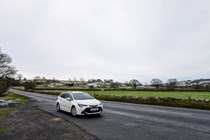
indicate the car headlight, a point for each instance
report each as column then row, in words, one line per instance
column 100, row 104
column 82, row 105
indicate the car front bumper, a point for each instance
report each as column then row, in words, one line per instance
column 89, row 110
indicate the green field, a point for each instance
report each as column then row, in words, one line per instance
column 187, row 99
column 163, row 94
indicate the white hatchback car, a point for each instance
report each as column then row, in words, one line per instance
column 78, row 103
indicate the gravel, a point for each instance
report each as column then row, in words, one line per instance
column 28, row 123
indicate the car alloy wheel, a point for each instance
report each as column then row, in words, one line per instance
column 73, row 111
column 58, row 107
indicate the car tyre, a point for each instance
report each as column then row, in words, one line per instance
column 58, row 107
column 74, row 111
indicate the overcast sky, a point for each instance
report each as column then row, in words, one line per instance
column 107, row 39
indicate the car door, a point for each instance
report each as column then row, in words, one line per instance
column 68, row 103
column 62, row 101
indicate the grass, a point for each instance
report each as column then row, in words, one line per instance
column 11, row 96
column 5, row 111
column 188, row 99
column 162, row 94
column 187, row 103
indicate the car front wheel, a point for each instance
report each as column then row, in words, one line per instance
column 58, row 107
column 73, row 111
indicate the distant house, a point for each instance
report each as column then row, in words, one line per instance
column 183, row 83
column 123, row 86
column 95, row 85
column 203, row 82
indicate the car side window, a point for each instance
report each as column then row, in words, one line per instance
column 68, row 95
column 63, row 95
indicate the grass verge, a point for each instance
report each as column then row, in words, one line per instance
column 11, row 96
column 5, row 111
column 187, row 103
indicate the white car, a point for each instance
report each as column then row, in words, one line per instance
column 78, row 103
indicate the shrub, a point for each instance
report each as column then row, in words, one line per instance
column 29, row 85
column 189, row 103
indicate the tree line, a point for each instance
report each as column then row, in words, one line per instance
column 7, row 73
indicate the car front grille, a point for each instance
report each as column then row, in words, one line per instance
column 88, row 110
column 93, row 106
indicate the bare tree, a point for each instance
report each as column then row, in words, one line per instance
column 19, row 76
column 74, row 79
column 44, row 79
column 156, row 82
column 81, row 79
column 38, row 80
column 135, row 83
column 171, row 84
column 6, row 72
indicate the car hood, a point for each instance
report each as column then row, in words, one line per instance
column 88, row 102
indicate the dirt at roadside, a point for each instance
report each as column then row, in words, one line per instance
column 29, row 123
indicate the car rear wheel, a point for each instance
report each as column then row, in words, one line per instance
column 73, row 111
column 58, row 107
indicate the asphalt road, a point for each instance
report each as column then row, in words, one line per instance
column 126, row 121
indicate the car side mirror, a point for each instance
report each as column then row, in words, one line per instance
column 68, row 99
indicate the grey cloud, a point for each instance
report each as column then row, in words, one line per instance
column 107, row 39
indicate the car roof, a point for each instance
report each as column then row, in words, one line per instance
column 73, row 92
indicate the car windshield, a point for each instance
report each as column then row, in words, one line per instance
column 82, row 96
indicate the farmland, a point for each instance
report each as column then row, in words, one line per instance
column 162, row 94
column 189, row 99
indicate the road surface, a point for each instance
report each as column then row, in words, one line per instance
column 126, row 121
